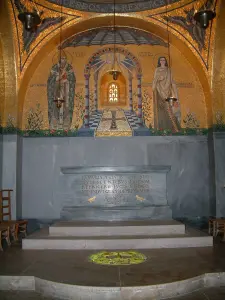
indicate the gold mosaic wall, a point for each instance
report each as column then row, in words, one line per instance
column 2, row 83
column 190, row 91
column 8, row 83
column 191, row 66
column 218, row 72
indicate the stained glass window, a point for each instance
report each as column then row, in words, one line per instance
column 113, row 93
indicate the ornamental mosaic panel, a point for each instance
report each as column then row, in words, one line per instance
column 124, row 6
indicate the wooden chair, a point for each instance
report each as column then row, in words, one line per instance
column 4, row 235
column 212, row 226
column 219, row 226
column 16, row 226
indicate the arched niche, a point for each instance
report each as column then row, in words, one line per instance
column 105, row 82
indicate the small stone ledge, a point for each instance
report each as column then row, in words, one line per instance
column 66, row 291
column 219, row 135
column 116, row 170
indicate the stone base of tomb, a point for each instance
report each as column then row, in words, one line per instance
column 97, row 235
column 119, row 213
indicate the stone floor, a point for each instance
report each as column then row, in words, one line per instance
column 204, row 294
column 74, row 267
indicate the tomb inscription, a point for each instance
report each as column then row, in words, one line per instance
column 117, row 187
column 99, row 184
column 112, row 193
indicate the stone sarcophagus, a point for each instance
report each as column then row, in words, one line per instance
column 114, row 193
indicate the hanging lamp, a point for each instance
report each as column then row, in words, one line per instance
column 115, row 73
column 30, row 19
column 170, row 98
column 59, row 100
column 204, row 16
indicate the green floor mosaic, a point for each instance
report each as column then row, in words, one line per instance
column 118, row 258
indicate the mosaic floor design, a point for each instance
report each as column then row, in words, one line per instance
column 119, row 258
column 95, row 119
column 132, row 119
column 113, row 123
column 117, row 122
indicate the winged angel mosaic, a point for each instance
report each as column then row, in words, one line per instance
column 30, row 36
column 188, row 23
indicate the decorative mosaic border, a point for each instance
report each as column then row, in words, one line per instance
column 133, row 6
column 39, row 133
column 79, row 132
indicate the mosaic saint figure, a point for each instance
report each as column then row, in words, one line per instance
column 163, row 86
column 61, row 84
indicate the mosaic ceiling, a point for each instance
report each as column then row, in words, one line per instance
column 106, row 36
column 107, row 6
column 178, row 19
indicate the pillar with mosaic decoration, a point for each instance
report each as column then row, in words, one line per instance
column 140, row 121
column 130, row 93
column 86, row 113
column 96, row 91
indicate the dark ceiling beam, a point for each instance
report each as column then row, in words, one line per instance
column 92, row 38
column 106, row 32
column 134, row 37
column 119, row 32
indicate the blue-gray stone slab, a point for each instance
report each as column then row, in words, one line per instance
column 114, row 193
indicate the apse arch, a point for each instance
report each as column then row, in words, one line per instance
column 107, row 50
column 87, row 72
column 121, row 20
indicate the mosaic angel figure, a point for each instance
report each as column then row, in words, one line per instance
column 61, row 84
column 30, row 36
column 188, row 22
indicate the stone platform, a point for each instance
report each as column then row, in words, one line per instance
column 116, row 235
column 122, row 228
column 116, row 213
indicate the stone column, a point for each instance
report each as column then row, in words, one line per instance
column 216, row 140
column 130, row 94
column 86, row 113
column 96, row 91
column 140, row 121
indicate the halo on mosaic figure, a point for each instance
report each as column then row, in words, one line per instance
column 117, row 258
column 157, row 56
column 64, row 53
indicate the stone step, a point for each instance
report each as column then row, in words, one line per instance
column 123, row 228
column 116, row 213
column 42, row 241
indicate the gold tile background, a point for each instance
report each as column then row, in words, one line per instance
column 18, row 101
